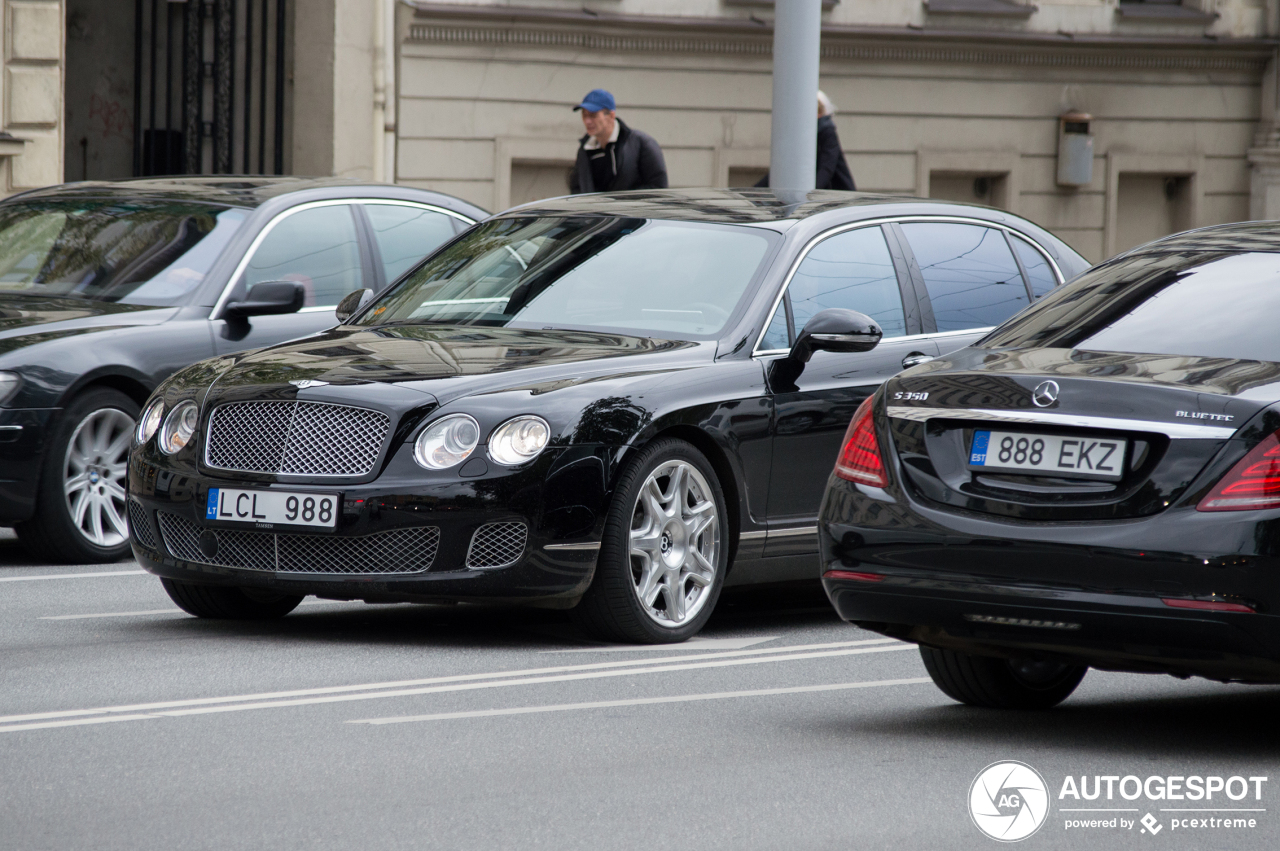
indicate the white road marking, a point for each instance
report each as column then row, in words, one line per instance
column 691, row 644
column 640, row 701
column 170, row 611
column 460, row 682
column 84, row 575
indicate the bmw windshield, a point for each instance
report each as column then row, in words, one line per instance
column 665, row 278
column 136, row 252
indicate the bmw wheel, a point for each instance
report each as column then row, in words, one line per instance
column 664, row 552
column 80, row 513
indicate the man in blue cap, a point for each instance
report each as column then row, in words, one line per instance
column 612, row 156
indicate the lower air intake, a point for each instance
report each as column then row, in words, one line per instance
column 497, row 545
column 398, row 551
column 140, row 527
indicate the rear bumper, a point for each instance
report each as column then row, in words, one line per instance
column 1090, row 593
column 23, row 432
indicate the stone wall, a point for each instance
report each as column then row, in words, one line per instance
column 31, row 136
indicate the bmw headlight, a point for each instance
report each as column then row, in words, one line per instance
column 519, row 440
column 9, row 383
column 447, row 441
column 149, row 421
column 179, row 427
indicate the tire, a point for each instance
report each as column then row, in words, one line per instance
column 1001, row 683
column 90, row 446
column 228, row 602
column 676, row 560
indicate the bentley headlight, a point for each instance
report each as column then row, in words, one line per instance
column 447, row 441
column 519, row 440
column 9, row 382
column 179, row 427
column 149, row 421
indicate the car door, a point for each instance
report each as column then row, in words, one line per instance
column 318, row 245
column 404, row 233
column 968, row 278
column 859, row 269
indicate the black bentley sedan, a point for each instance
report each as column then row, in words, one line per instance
column 108, row 288
column 1095, row 483
column 611, row 403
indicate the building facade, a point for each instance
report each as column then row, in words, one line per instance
column 1110, row 122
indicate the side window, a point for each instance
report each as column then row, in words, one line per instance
column 777, row 336
column 969, row 272
column 318, row 247
column 1039, row 273
column 406, row 234
column 852, row 270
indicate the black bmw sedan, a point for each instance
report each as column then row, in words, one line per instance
column 1096, row 483
column 108, row 288
column 610, row 403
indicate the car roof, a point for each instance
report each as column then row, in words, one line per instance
column 232, row 190
column 742, row 205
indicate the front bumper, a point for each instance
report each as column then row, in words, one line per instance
column 557, row 505
column 1089, row 593
column 23, row 434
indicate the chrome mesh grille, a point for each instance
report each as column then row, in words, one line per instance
column 139, row 526
column 295, row 438
column 497, row 545
column 398, row 551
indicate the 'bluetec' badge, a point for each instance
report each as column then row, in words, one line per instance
column 979, row 455
column 211, row 509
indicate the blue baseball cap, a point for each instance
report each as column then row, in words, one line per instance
column 596, row 100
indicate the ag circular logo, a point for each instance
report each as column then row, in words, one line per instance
column 1008, row 801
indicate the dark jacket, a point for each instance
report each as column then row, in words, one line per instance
column 833, row 171
column 635, row 160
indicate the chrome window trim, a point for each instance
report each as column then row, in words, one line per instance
column 221, row 303
column 827, row 234
column 906, row 338
column 1176, row 431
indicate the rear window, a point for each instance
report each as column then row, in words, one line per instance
column 1202, row 304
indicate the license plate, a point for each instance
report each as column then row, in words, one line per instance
column 1049, row 454
column 272, row 508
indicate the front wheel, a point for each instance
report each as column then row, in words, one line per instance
column 1001, row 683
column 225, row 602
column 664, row 552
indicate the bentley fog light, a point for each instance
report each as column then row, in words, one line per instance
column 519, row 440
column 179, row 427
column 446, row 442
column 149, row 421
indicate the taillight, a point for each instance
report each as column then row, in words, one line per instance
column 860, row 459
column 1252, row 483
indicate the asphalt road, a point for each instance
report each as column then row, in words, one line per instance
column 125, row 724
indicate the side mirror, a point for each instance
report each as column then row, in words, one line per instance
column 268, row 299
column 352, row 303
column 836, row 330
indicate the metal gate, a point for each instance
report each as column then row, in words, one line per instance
column 209, row 94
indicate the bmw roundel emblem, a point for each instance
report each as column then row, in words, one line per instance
column 1045, row 394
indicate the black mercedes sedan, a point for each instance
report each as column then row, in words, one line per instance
column 107, row 288
column 1096, row 483
column 611, row 403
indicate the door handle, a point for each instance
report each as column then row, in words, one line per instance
column 915, row 359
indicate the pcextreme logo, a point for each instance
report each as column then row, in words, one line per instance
column 1009, row 801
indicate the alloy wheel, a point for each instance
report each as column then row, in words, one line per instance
column 94, row 476
column 675, row 543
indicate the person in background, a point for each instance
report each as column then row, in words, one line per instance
column 832, row 172
column 612, row 156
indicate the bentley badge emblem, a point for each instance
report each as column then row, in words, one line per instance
column 1045, row 394
column 304, row 383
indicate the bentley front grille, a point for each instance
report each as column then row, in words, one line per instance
column 410, row 550
column 295, row 438
column 139, row 526
column 497, row 545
